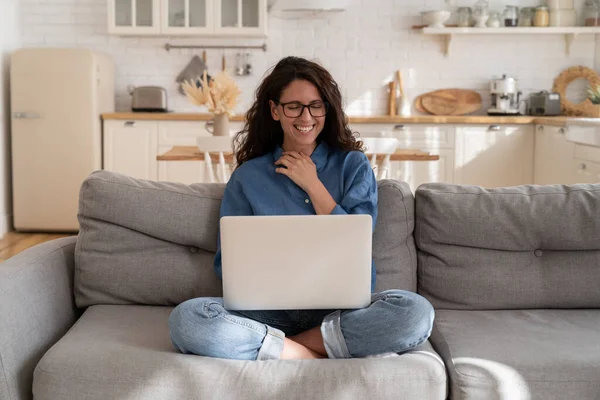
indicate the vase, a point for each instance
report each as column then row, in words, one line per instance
column 219, row 125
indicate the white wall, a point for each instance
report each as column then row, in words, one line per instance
column 9, row 40
column 362, row 47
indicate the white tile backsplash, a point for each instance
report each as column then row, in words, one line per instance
column 361, row 46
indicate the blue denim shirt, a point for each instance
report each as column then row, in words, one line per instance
column 256, row 189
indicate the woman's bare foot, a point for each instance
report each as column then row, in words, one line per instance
column 296, row 351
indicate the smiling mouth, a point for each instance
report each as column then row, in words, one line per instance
column 304, row 128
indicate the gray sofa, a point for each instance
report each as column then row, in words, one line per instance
column 513, row 274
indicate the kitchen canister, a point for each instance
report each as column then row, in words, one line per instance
column 465, row 17
column 563, row 17
column 526, row 15
column 541, row 16
column 591, row 13
column 560, row 4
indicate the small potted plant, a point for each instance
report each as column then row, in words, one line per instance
column 220, row 95
column 594, row 96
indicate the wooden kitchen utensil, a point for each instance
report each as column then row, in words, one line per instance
column 392, row 98
column 400, row 83
column 439, row 105
column 419, row 106
column 450, row 102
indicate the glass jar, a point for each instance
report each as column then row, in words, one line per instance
column 526, row 16
column 494, row 20
column 591, row 13
column 511, row 16
column 464, row 17
column 481, row 11
column 542, row 17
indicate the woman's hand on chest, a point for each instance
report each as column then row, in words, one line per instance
column 299, row 168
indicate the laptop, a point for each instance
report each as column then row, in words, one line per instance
column 296, row 262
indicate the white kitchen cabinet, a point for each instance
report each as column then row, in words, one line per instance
column 133, row 17
column 241, row 17
column 559, row 161
column 184, row 133
column 494, row 155
column 415, row 173
column 220, row 18
column 180, row 133
column 435, row 139
column 130, row 148
column 411, row 136
column 186, row 17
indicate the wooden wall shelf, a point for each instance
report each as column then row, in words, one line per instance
column 570, row 33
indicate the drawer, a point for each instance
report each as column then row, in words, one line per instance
column 412, row 136
column 583, row 172
column 591, row 153
column 184, row 133
column 586, row 135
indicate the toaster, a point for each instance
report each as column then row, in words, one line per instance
column 149, row 99
column 543, row 103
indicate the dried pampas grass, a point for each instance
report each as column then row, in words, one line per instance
column 220, row 95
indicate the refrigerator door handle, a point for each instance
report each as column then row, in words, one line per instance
column 26, row 115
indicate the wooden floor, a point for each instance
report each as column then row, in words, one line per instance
column 13, row 243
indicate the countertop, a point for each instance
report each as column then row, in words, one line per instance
column 417, row 119
column 191, row 153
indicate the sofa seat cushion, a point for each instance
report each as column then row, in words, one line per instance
column 520, row 354
column 124, row 352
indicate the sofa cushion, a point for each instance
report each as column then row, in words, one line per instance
column 124, row 351
column 394, row 251
column 145, row 242
column 520, row 354
column 509, row 248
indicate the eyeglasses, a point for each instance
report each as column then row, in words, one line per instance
column 294, row 109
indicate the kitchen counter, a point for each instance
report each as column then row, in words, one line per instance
column 417, row 119
column 191, row 153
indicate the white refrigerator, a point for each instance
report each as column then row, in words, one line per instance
column 57, row 96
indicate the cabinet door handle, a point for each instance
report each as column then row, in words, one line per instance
column 399, row 127
column 561, row 130
column 26, row 115
column 540, row 128
column 494, row 128
column 582, row 166
column 129, row 123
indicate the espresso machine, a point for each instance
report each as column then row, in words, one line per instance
column 505, row 96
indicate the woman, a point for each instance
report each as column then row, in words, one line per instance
column 297, row 155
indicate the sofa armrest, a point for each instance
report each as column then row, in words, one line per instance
column 36, row 309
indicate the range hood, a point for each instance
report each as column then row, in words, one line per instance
column 307, row 5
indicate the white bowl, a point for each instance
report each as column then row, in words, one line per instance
column 215, row 143
column 380, row 145
column 435, row 19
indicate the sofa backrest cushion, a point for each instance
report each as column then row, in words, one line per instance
column 146, row 242
column 509, row 248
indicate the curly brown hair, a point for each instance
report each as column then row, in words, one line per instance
column 262, row 134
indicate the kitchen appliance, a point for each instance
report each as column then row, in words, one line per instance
column 505, row 96
column 57, row 96
column 149, row 99
column 543, row 104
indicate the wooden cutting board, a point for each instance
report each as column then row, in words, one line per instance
column 449, row 102
column 419, row 106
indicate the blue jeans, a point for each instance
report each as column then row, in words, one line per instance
column 396, row 321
